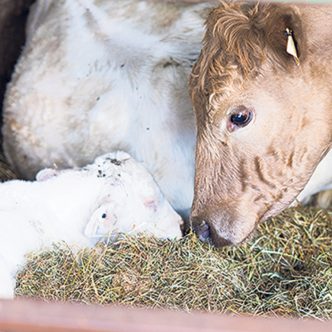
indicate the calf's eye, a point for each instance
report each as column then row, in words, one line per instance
column 240, row 117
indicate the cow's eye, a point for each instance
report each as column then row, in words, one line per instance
column 240, row 117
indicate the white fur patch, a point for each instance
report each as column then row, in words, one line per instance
column 79, row 207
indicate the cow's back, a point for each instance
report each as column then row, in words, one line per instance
column 96, row 77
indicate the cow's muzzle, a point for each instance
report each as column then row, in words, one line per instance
column 208, row 233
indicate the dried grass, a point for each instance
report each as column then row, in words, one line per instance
column 286, row 271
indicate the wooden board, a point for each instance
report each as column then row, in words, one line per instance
column 28, row 316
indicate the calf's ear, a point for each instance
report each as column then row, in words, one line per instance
column 285, row 35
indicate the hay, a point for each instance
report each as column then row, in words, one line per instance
column 286, row 271
column 6, row 173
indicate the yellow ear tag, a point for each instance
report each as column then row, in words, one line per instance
column 291, row 48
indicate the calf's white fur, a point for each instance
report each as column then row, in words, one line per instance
column 80, row 207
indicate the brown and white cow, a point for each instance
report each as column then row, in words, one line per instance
column 99, row 75
column 264, row 116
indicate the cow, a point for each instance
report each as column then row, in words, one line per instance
column 262, row 93
column 97, row 76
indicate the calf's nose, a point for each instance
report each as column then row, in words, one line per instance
column 207, row 233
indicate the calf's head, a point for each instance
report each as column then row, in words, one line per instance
column 263, row 116
column 131, row 202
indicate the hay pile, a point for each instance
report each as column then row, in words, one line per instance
column 6, row 173
column 286, row 270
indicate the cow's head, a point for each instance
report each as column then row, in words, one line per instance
column 262, row 118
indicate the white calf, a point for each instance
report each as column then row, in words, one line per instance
column 80, row 207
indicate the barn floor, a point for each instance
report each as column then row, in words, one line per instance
column 286, row 270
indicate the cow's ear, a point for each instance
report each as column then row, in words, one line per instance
column 285, row 36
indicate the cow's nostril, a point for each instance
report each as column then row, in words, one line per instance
column 208, row 233
column 203, row 232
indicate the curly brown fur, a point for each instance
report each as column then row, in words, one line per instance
column 239, row 37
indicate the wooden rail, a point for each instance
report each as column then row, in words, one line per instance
column 31, row 316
